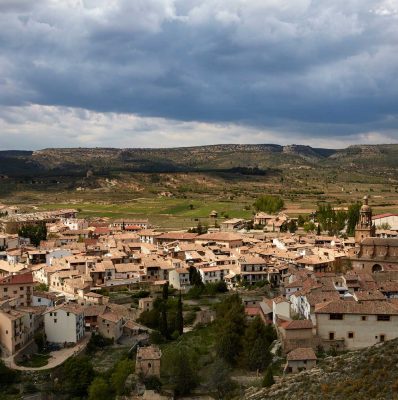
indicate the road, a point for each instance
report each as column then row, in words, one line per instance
column 57, row 357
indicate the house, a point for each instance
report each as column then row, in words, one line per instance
column 145, row 304
column 213, row 274
column 280, row 308
column 262, row 218
column 225, row 239
column 295, row 334
column 110, row 325
column 354, row 325
column 148, row 361
column 91, row 313
column 179, row 278
column 64, row 324
column 20, row 286
column 300, row 359
column 232, row 224
column 48, row 299
column 253, row 269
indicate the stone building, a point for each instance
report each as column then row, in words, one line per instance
column 365, row 227
column 376, row 255
column 148, row 361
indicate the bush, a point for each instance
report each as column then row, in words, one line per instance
column 97, row 341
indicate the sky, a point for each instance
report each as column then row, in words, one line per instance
column 167, row 73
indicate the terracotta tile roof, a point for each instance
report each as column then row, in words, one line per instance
column 148, row 353
column 252, row 311
column 301, row 353
column 297, row 324
column 353, row 307
column 21, row 279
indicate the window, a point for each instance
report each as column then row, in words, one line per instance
column 67, row 314
column 21, row 288
column 336, row 316
column 350, row 335
column 364, row 317
column 383, row 317
column 6, row 289
column 55, row 321
column 382, row 338
column 51, row 314
column 331, row 335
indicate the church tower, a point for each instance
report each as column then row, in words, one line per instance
column 365, row 227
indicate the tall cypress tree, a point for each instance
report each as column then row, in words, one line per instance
column 165, row 293
column 163, row 320
column 179, row 316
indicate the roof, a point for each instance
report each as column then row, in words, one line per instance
column 149, row 353
column 252, row 311
column 297, row 324
column 353, row 307
column 371, row 241
column 111, row 317
column 177, row 236
column 21, row 279
column 220, row 236
column 384, row 215
column 301, row 353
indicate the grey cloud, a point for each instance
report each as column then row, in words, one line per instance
column 303, row 67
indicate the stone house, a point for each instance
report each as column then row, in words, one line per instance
column 300, row 359
column 148, row 361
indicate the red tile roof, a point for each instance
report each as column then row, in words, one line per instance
column 301, row 353
column 20, row 279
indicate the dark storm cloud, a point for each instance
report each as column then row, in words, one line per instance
column 306, row 67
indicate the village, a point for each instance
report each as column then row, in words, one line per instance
column 65, row 279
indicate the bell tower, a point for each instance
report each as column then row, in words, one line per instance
column 365, row 227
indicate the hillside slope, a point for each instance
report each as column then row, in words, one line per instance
column 52, row 162
column 367, row 374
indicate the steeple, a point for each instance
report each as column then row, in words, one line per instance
column 365, row 227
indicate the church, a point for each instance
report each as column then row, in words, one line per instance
column 374, row 254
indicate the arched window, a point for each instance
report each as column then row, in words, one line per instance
column 377, row 268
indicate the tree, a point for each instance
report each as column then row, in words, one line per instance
column 232, row 322
column 165, row 292
column 268, row 379
column 40, row 340
column 318, row 230
column 268, row 203
column 182, row 374
column 7, row 375
column 256, row 346
column 309, row 226
column 99, row 390
column 77, row 375
column 118, row 378
column 179, row 316
column 195, row 278
column 36, row 233
column 219, row 379
column 292, row 226
column 163, row 326
column 300, row 220
column 353, row 217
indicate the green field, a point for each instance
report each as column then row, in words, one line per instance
column 165, row 212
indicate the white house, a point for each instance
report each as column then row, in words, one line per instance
column 354, row 325
column 64, row 323
column 179, row 278
column 213, row 274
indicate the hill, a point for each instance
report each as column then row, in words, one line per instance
column 367, row 374
column 53, row 162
